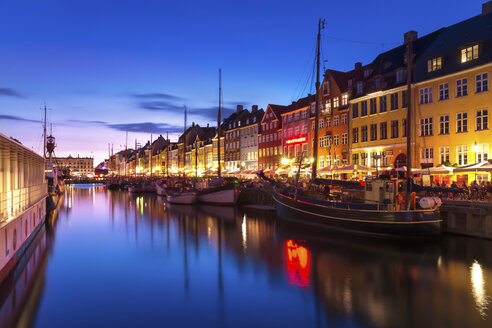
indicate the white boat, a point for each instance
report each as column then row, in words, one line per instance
column 160, row 188
column 221, row 191
column 187, row 198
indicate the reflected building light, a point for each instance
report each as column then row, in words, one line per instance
column 298, row 264
column 347, row 296
column 478, row 288
column 439, row 261
column 245, row 234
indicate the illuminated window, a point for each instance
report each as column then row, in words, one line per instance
column 461, row 122
column 355, row 159
column 482, row 116
column 461, row 87
column 425, row 95
column 336, row 102
column 344, row 119
column 427, row 154
column 469, row 53
column 482, row 153
column 443, row 154
column 345, row 100
column 434, row 64
column 444, row 91
column 462, row 154
column 482, row 82
column 321, row 161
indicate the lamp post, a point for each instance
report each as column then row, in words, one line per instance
column 475, row 148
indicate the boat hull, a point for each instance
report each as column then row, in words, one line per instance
column 397, row 223
column 186, row 198
column 219, row 197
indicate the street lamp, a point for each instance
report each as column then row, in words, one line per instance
column 475, row 148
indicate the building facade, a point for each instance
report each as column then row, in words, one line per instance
column 81, row 166
column 270, row 138
column 248, row 133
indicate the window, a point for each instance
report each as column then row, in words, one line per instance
column 366, row 72
column 297, row 130
column 382, row 104
column 444, row 124
column 363, row 108
column 434, row 64
column 355, row 135
column 344, row 119
column 355, row 159
column 377, row 83
column 443, row 154
column 444, row 91
column 345, row 100
column 328, row 122
column 296, row 116
column 426, row 127
column 400, row 76
column 336, row 140
column 374, row 132
column 335, row 120
column 394, row 101
column 394, row 129
column 372, row 106
column 363, row 133
column 469, row 53
column 425, row 95
column 482, row 153
column 360, row 88
column 383, row 130
column 461, row 122
column 461, row 87
column 462, row 154
column 321, row 161
column 427, row 155
column 321, row 124
column 337, row 160
column 336, row 102
column 326, row 87
column 355, row 110
column 482, row 119
column 328, row 106
column 344, row 138
column 363, row 157
column 482, row 82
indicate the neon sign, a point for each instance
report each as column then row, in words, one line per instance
column 295, row 140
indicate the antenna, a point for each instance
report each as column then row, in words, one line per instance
column 185, row 122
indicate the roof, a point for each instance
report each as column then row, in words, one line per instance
column 449, row 43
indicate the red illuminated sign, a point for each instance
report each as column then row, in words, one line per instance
column 295, row 140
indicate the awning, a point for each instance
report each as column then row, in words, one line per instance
column 435, row 170
column 353, row 168
column 485, row 166
column 271, row 171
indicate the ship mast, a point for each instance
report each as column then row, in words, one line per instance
column 321, row 25
column 218, row 123
column 409, row 117
column 44, row 133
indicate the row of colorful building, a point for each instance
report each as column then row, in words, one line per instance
column 363, row 115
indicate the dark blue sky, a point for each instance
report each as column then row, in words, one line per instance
column 105, row 67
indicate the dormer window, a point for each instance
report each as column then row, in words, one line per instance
column 366, row 73
column 434, row 64
column 335, row 102
column 400, row 76
column 344, row 99
column 360, row 88
column 377, row 83
column 349, row 83
column 469, row 53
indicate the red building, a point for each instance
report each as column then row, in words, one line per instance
column 270, row 138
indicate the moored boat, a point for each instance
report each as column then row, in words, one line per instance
column 221, row 191
column 176, row 197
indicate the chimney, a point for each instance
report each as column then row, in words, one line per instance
column 239, row 108
column 486, row 8
column 208, row 125
column 409, row 36
column 192, row 124
column 254, row 108
column 358, row 66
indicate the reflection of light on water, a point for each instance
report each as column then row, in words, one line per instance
column 298, row 266
column 478, row 288
column 439, row 261
column 245, row 234
column 347, row 296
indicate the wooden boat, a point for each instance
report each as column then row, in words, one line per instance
column 180, row 197
column 136, row 188
column 379, row 211
column 221, row 191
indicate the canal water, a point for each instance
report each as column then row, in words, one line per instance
column 112, row 259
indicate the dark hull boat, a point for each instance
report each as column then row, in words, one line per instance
column 358, row 217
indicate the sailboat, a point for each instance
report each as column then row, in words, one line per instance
column 221, row 191
column 382, row 207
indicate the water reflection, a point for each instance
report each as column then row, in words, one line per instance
column 132, row 260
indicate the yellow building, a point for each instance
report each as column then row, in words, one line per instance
column 453, row 98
